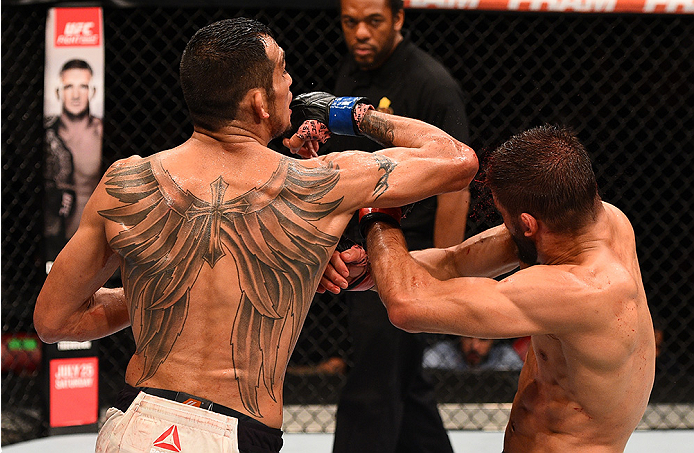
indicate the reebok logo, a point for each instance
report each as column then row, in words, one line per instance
column 193, row 402
column 169, row 440
column 75, row 27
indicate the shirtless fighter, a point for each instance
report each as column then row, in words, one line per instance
column 221, row 243
column 590, row 368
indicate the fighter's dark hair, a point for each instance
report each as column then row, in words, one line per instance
column 546, row 172
column 221, row 62
column 76, row 64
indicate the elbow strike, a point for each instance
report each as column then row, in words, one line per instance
column 468, row 163
column 461, row 160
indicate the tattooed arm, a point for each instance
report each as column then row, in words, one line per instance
column 421, row 161
column 72, row 305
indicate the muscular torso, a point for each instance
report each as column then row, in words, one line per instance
column 586, row 391
column 220, row 263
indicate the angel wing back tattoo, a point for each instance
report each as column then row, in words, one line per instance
column 269, row 232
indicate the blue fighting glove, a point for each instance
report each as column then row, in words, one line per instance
column 341, row 115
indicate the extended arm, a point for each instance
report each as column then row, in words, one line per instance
column 72, row 304
column 522, row 304
column 420, row 161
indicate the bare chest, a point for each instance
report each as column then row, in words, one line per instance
column 84, row 144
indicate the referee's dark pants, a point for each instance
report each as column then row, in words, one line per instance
column 386, row 405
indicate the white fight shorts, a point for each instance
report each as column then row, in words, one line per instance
column 156, row 425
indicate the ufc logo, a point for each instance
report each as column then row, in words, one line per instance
column 79, row 28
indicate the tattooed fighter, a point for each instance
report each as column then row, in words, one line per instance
column 222, row 242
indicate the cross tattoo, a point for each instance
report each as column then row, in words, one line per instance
column 213, row 213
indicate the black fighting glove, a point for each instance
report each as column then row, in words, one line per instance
column 367, row 216
column 340, row 114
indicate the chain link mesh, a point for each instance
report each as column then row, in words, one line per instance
column 623, row 82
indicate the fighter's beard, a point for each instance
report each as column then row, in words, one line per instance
column 527, row 252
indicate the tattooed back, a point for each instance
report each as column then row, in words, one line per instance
column 219, row 267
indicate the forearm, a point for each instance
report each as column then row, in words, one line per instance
column 319, row 111
column 488, row 254
column 104, row 313
column 392, row 130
